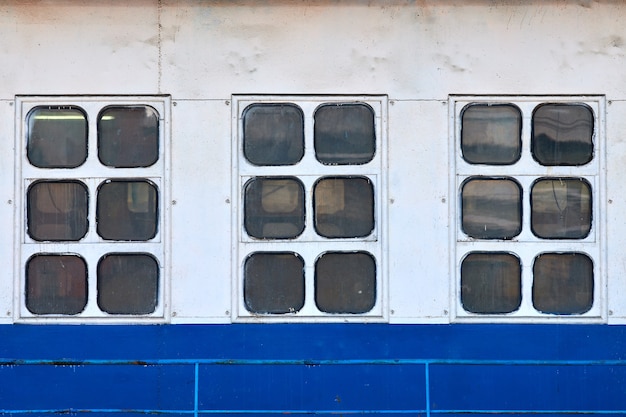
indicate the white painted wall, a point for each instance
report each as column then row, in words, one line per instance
column 416, row 52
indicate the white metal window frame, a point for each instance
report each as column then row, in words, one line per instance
column 527, row 246
column 92, row 173
column 309, row 245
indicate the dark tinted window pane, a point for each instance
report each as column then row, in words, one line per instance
column 344, row 207
column 563, row 283
column 273, row 134
column 128, row 283
column 57, row 210
column 274, row 283
column 492, row 208
column 345, row 282
column 561, row 208
column 491, row 283
column 344, row 134
column 274, row 207
column 56, row 284
column 562, row 134
column 128, row 137
column 57, row 137
column 127, row 210
column 491, row 134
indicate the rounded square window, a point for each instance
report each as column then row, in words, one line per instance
column 127, row 210
column 491, row 208
column 57, row 210
column 344, row 134
column 128, row 283
column 345, row 282
column 562, row 134
column 560, row 208
column 273, row 283
column 57, row 137
column 56, row 284
column 563, row 283
column 491, row 134
column 344, row 207
column 274, row 207
column 128, row 136
column 273, row 134
column 491, row 283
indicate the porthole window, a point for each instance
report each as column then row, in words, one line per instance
column 57, row 210
column 344, row 134
column 528, row 231
column 273, row 134
column 310, row 188
column 56, row 284
column 56, row 136
column 128, row 136
column 491, row 134
column 562, row 134
column 93, row 185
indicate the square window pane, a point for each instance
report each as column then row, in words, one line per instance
column 563, row 283
column 57, row 210
column 491, row 208
column 562, row 134
column 561, row 208
column 57, row 137
column 128, row 137
column 128, row 283
column 56, row 284
column 491, row 283
column 345, row 282
column 127, row 210
column 491, row 134
column 344, row 134
column 344, row 207
column 274, row 207
column 274, row 283
column 273, row 134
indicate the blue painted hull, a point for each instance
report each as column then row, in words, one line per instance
column 313, row 369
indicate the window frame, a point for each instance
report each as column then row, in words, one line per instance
column 308, row 244
column 93, row 173
column 526, row 171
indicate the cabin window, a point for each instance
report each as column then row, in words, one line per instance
column 528, row 234
column 93, row 178
column 310, row 215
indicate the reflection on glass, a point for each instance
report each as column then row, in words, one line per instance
column 274, row 207
column 128, row 137
column 563, row 283
column 57, row 210
column 127, row 210
column 491, row 283
column 274, row 283
column 491, row 208
column 491, row 134
column 56, row 284
column 561, row 208
column 562, row 134
column 273, row 134
column 128, row 283
column 344, row 207
column 344, row 134
column 345, row 282
column 57, row 137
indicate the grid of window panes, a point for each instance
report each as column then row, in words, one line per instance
column 527, row 187
column 309, row 228
column 92, row 190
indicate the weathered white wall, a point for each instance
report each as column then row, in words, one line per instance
column 417, row 52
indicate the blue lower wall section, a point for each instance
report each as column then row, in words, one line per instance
column 304, row 369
